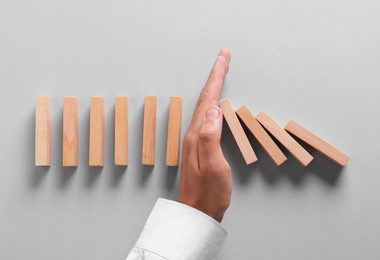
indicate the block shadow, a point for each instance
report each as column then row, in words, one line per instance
column 39, row 173
column 37, row 176
column 144, row 171
column 240, row 170
column 145, row 174
column 322, row 167
column 171, row 171
column 91, row 173
column 65, row 174
column 117, row 171
column 171, row 176
column 117, row 174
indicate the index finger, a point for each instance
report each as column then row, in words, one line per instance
column 210, row 93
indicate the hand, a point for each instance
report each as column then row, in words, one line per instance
column 205, row 174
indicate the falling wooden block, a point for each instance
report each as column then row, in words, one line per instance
column 237, row 131
column 174, row 131
column 96, row 144
column 149, row 131
column 301, row 155
column 261, row 135
column 317, row 143
column 70, row 132
column 42, row 131
column 121, row 130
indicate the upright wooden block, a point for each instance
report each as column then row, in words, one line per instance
column 301, row 155
column 261, row 135
column 96, row 144
column 42, row 131
column 174, row 131
column 149, row 131
column 237, row 131
column 70, row 132
column 317, row 143
column 121, row 130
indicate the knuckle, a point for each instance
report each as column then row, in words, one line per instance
column 223, row 168
column 218, row 73
column 218, row 79
column 223, row 62
column 203, row 97
column 226, row 168
column 207, row 135
column 214, row 71
column 216, row 167
column 189, row 139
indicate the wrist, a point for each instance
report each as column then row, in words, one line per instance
column 218, row 216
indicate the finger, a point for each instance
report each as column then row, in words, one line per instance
column 209, row 150
column 210, row 94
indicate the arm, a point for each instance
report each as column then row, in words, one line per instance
column 190, row 228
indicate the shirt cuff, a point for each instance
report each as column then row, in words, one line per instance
column 178, row 231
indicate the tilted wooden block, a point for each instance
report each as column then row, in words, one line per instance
column 301, row 155
column 149, row 131
column 70, row 132
column 42, row 131
column 317, row 143
column 237, row 131
column 96, row 143
column 261, row 135
column 121, row 130
column 174, row 131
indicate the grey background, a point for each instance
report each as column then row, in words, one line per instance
column 316, row 62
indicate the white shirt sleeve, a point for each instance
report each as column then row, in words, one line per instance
column 177, row 231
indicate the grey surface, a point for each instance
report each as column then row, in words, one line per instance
column 317, row 62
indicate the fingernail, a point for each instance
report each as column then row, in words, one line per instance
column 221, row 52
column 212, row 113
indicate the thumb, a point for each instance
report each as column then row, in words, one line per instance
column 209, row 150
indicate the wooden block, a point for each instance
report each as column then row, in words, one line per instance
column 261, row 135
column 317, row 143
column 149, row 131
column 42, row 131
column 301, row 155
column 121, row 130
column 96, row 147
column 70, row 132
column 237, row 131
column 174, row 131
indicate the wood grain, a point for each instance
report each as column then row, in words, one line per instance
column 70, row 132
column 121, row 131
column 149, row 131
column 317, row 143
column 42, row 131
column 261, row 135
column 174, row 131
column 299, row 153
column 96, row 143
column 237, row 131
